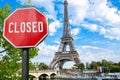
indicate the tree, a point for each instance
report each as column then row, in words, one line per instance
column 108, row 66
column 32, row 66
column 10, row 63
column 87, row 66
column 94, row 65
column 28, row 3
column 80, row 66
column 119, row 64
column 43, row 66
column 4, row 12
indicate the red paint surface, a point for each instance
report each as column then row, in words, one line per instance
column 24, row 40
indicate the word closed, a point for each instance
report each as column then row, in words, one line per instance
column 25, row 27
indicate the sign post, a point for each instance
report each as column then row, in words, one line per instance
column 25, row 28
column 25, row 64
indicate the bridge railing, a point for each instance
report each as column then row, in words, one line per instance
column 47, row 70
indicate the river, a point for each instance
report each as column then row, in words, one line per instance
column 68, row 79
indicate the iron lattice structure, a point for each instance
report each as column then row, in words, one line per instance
column 66, row 51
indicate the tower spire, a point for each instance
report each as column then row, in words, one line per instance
column 66, row 31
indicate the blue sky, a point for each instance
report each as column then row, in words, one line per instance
column 95, row 27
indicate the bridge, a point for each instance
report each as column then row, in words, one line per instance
column 48, row 74
column 41, row 74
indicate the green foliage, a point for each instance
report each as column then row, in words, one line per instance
column 27, row 4
column 94, row 65
column 10, row 62
column 33, row 52
column 31, row 66
column 88, row 66
column 109, row 66
column 4, row 12
column 80, row 66
column 43, row 66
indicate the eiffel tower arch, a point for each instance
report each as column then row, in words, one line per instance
column 66, row 51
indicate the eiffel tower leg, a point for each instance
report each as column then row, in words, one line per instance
column 71, row 46
column 60, row 65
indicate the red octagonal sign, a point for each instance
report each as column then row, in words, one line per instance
column 25, row 28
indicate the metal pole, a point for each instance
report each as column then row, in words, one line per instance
column 25, row 64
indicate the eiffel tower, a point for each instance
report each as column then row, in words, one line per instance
column 66, row 51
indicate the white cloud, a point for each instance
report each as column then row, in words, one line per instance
column 102, row 30
column 86, row 54
column 47, row 4
column 54, row 26
column 94, row 10
column 46, row 49
column 106, row 16
column 57, row 41
column 45, row 54
column 111, row 33
column 50, row 16
column 75, row 31
column 91, row 53
column 77, row 10
column 91, row 27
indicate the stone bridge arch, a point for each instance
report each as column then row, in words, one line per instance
column 32, row 77
column 37, row 75
column 44, row 76
column 53, row 75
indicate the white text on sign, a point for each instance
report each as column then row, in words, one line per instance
column 25, row 27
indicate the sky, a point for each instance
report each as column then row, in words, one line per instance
column 94, row 24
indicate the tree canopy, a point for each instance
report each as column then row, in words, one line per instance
column 108, row 66
column 10, row 62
